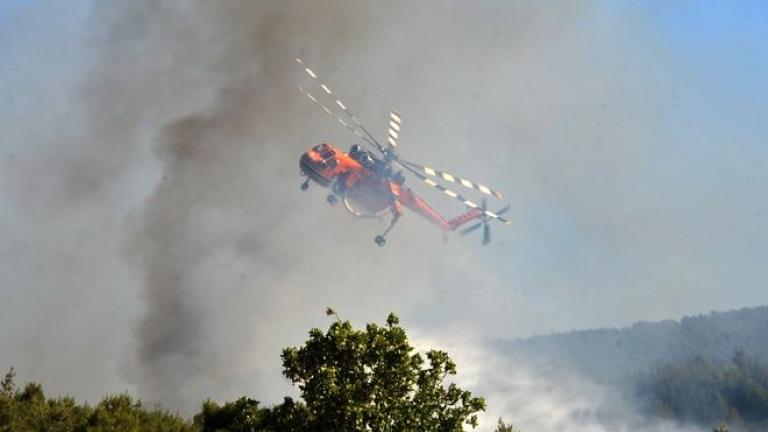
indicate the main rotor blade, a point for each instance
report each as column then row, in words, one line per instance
column 452, row 194
column 493, row 215
column 438, row 186
column 334, row 116
column 394, row 128
column 474, row 227
column 504, row 210
column 454, row 179
column 486, row 234
column 340, row 104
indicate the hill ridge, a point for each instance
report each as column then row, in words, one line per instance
column 608, row 354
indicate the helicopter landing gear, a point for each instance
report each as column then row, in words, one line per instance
column 304, row 186
column 332, row 200
column 339, row 187
column 379, row 239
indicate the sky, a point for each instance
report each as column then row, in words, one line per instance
column 153, row 237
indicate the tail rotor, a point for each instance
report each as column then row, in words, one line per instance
column 485, row 218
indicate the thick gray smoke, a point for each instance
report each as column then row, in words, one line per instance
column 536, row 398
column 238, row 263
column 156, row 238
column 236, row 260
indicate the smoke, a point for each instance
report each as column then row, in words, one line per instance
column 157, row 238
column 536, row 397
column 237, row 262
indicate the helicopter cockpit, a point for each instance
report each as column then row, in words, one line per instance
column 319, row 163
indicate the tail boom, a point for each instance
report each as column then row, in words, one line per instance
column 472, row 214
column 416, row 204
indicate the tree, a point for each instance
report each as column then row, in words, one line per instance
column 245, row 415
column 7, row 386
column 123, row 413
column 30, row 410
column 706, row 392
column 350, row 380
column 506, row 427
column 240, row 416
column 371, row 380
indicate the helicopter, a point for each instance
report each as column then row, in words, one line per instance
column 371, row 181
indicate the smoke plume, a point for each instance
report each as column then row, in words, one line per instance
column 156, row 237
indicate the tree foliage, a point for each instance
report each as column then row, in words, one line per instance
column 28, row 409
column 706, row 392
column 350, row 380
column 245, row 415
column 372, row 380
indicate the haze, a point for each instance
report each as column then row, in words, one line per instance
column 153, row 237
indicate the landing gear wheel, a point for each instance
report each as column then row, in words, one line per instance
column 380, row 240
column 338, row 188
column 305, row 186
column 332, row 200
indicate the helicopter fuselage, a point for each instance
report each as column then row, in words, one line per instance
column 362, row 181
column 368, row 186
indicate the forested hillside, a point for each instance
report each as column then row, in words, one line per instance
column 703, row 392
column 611, row 356
column 702, row 370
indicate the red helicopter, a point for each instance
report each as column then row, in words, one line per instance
column 371, row 185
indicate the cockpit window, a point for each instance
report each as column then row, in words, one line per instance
column 326, row 153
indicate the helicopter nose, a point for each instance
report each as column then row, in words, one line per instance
column 314, row 169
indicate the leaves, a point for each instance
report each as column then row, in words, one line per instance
column 705, row 392
column 30, row 410
column 350, row 380
column 8, row 387
column 353, row 380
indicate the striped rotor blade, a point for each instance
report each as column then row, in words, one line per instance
column 474, row 227
column 334, row 116
column 496, row 216
column 453, row 194
column 455, row 179
column 394, row 128
column 440, row 187
column 339, row 103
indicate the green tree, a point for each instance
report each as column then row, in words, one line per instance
column 123, row 413
column 65, row 415
column 289, row 416
column 372, row 380
column 706, row 392
column 30, row 410
column 350, row 380
column 7, row 386
column 243, row 415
